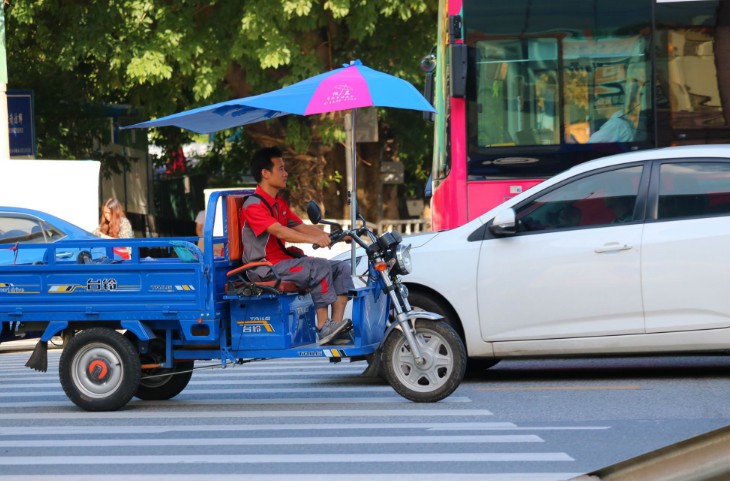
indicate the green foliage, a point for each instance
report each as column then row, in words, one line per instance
column 162, row 56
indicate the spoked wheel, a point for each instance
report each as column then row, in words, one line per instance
column 99, row 370
column 440, row 374
column 164, row 384
column 422, row 302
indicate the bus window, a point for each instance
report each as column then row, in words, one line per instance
column 688, row 69
column 517, row 91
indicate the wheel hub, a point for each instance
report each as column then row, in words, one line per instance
column 427, row 357
column 98, row 371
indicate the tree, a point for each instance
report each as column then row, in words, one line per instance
column 164, row 56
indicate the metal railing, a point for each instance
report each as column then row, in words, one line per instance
column 405, row 227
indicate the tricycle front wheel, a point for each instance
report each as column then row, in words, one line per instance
column 442, row 371
column 99, row 370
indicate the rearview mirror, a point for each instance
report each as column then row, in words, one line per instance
column 314, row 212
column 504, row 223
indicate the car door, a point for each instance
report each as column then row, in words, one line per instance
column 686, row 246
column 573, row 268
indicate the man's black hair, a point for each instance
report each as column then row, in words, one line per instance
column 262, row 160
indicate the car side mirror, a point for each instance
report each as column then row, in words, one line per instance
column 504, row 223
column 314, row 212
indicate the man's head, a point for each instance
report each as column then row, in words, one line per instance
column 263, row 159
column 267, row 169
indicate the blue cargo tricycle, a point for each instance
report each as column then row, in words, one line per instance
column 136, row 324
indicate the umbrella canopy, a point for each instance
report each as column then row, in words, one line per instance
column 346, row 88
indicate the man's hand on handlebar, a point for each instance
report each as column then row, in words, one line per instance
column 322, row 240
column 333, row 238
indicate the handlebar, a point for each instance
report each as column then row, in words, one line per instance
column 355, row 234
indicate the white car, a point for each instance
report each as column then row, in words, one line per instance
column 628, row 254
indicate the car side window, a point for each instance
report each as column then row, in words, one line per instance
column 693, row 189
column 20, row 229
column 17, row 229
column 600, row 199
column 52, row 233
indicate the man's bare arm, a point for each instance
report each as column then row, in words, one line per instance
column 299, row 234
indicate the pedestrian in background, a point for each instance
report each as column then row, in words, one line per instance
column 113, row 223
column 199, row 225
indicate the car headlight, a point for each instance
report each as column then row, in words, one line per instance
column 403, row 259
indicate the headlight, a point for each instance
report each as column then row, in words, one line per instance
column 403, row 259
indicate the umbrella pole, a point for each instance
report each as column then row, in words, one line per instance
column 352, row 181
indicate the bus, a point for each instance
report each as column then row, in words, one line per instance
column 527, row 88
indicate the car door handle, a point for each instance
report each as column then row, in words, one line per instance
column 613, row 247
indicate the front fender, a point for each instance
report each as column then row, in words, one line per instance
column 411, row 316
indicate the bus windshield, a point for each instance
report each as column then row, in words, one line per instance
column 567, row 73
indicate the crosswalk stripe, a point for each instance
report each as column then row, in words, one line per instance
column 252, row 390
column 279, row 441
column 248, row 412
column 433, row 476
column 477, row 457
column 253, row 401
column 60, row 430
column 221, row 382
column 159, row 429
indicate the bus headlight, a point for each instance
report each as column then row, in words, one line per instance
column 403, row 259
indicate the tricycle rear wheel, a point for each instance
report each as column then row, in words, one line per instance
column 444, row 367
column 99, row 370
column 164, row 384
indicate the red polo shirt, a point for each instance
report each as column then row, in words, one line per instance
column 257, row 217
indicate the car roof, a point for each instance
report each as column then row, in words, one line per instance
column 688, row 151
column 65, row 226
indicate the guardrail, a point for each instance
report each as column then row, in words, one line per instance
column 405, row 227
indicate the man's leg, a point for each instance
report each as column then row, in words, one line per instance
column 338, row 308
column 322, row 316
column 315, row 274
column 342, row 284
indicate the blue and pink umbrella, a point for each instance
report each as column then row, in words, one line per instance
column 347, row 88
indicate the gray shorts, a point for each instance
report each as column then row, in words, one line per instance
column 325, row 279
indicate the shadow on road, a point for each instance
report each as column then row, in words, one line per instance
column 606, row 368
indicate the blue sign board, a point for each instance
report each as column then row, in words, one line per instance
column 21, row 123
